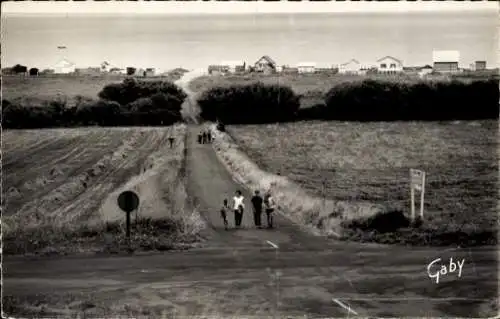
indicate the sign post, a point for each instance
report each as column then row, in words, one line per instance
column 128, row 201
column 417, row 182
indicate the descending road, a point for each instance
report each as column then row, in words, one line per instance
column 253, row 272
column 235, row 274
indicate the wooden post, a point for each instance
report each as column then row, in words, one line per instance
column 422, row 191
column 412, row 196
column 417, row 182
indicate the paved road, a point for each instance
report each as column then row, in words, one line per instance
column 236, row 273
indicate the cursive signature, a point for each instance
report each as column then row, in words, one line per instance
column 436, row 269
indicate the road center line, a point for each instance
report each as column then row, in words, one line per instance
column 346, row 307
column 272, row 244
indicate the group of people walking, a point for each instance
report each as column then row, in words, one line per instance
column 259, row 204
column 205, row 137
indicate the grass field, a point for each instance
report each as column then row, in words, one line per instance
column 371, row 162
column 61, row 187
column 50, row 87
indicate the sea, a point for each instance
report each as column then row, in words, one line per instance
column 196, row 41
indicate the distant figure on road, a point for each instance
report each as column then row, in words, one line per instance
column 171, row 141
column 200, row 138
column 204, row 137
column 239, row 208
column 270, row 206
column 257, row 209
column 223, row 212
column 209, row 136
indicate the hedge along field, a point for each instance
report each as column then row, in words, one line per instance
column 370, row 162
column 366, row 100
column 249, row 104
column 131, row 102
column 312, row 88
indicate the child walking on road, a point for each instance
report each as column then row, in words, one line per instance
column 239, row 208
column 225, row 208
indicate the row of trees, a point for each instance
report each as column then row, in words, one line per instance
column 359, row 101
column 22, row 69
column 128, row 103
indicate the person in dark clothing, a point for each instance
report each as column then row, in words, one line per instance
column 209, row 136
column 204, row 137
column 171, row 141
column 200, row 138
column 223, row 212
column 257, row 208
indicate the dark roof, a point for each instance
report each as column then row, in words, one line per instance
column 351, row 60
column 268, row 59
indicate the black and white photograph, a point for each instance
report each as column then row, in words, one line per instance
column 250, row 159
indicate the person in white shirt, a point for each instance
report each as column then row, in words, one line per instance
column 239, row 208
column 270, row 206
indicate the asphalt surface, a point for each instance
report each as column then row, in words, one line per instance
column 260, row 272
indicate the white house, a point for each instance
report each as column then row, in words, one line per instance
column 306, row 67
column 234, row 66
column 118, row 71
column 389, row 65
column 351, row 67
column 64, row 67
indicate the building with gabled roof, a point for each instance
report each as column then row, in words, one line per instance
column 350, row 67
column 64, row 66
column 389, row 65
column 265, row 64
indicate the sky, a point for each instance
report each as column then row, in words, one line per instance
column 235, row 7
column 189, row 34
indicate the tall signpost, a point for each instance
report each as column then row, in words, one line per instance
column 417, row 183
column 128, row 201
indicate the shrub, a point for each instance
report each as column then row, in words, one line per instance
column 253, row 103
column 33, row 71
column 103, row 113
column 131, row 90
column 131, row 71
column 15, row 115
column 127, row 103
column 388, row 101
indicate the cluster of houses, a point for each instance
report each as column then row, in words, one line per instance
column 65, row 66
column 443, row 62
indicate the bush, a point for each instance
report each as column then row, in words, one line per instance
column 127, row 103
column 253, row 103
column 33, row 71
column 388, row 101
column 131, row 90
column 102, row 113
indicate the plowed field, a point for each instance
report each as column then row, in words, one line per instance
column 70, row 178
